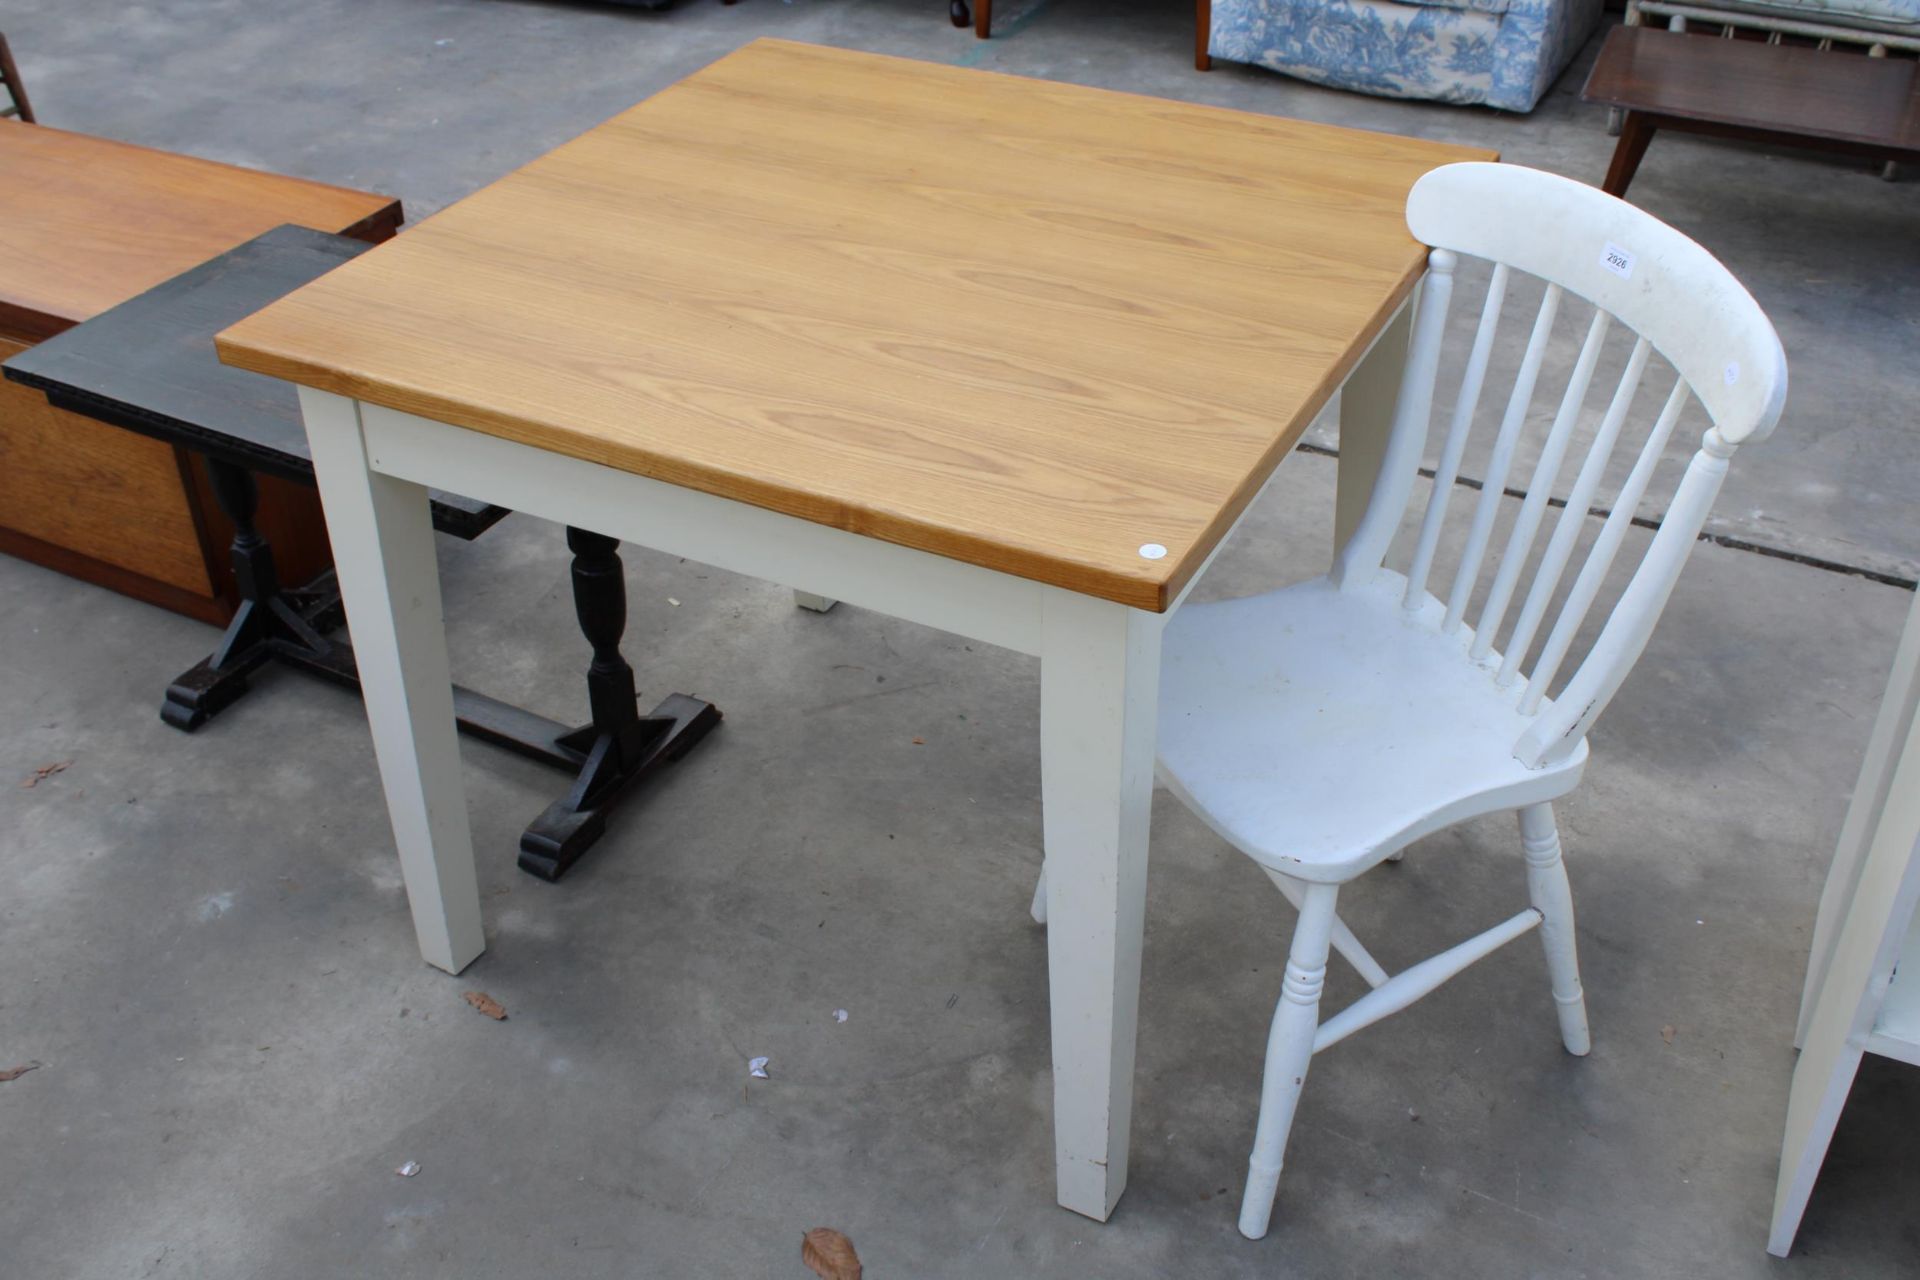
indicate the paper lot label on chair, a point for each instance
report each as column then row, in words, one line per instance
column 1617, row 260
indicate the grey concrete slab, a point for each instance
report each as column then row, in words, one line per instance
column 205, row 942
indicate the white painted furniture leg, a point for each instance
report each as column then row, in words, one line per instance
column 382, row 534
column 1366, row 422
column 1553, row 899
column 1099, row 690
column 1821, row 1082
column 808, row 600
column 1891, row 725
column 1864, row 1000
column 1344, row 941
column 1289, row 1051
column 1294, row 891
column 1872, row 949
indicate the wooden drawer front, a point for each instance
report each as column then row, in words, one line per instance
column 95, row 489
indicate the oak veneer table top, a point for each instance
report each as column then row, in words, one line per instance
column 1750, row 84
column 148, row 365
column 1026, row 325
column 86, row 222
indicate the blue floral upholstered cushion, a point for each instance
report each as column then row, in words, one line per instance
column 1500, row 53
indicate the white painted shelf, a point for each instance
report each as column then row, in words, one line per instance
column 1897, row 1034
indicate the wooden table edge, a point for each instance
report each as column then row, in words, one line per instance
column 1152, row 593
column 1802, row 140
column 382, row 220
column 29, row 323
column 1148, row 593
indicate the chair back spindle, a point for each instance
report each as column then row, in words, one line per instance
column 1471, row 382
column 1501, row 460
column 1572, row 516
column 1545, row 472
column 1679, row 304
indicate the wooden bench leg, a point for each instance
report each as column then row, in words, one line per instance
column 1636, row 131
column 982, row 18
column 10, row 76
column 1202, row 34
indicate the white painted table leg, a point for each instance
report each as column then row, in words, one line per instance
column 1821, row 1082
column 1366, row 419
column 382, row 534
column 1099, row 689
column 808, row 600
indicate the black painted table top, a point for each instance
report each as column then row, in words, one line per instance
column 148, row 365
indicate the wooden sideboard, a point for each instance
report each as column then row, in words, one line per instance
column 85, row 224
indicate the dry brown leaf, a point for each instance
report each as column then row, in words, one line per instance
column 829, row 1255
column 44, row 772
column 488, row 1005
column 14, row 1073
column 1668, row 1033
column 919, row 742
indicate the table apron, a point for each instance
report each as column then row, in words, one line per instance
column 1887, row 150
column 918, row 586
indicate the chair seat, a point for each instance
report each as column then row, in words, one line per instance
column 1320, row 730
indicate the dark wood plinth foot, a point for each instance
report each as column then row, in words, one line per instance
column 571, row 824
column 292, row 626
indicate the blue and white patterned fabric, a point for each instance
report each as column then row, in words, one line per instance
column 1500, row 53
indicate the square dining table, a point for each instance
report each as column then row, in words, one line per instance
column 1000, row 356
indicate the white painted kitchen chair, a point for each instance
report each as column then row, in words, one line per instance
column 1322, row 728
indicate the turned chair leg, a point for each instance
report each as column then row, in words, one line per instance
column 1553, row 899
column 1289, row 1050
column 1294, row 891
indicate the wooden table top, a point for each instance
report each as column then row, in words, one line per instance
column 1752, row 84
column 148, row 365
column 1022, row 324
column 86, row 223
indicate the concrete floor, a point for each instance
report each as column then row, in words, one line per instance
column 205, row 941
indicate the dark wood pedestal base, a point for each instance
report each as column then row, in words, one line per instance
column 619, row 746
column 608, row 755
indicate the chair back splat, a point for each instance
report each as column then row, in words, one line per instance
column 1676, row 303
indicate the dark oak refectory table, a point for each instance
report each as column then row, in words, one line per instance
column 149, row 366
